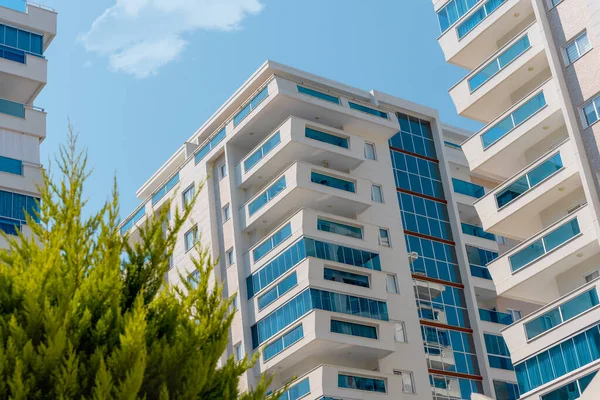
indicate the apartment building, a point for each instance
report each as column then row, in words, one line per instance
column 338, row 216
column 26, row 31
column 533, row 80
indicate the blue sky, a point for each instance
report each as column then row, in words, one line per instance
column 137, row 78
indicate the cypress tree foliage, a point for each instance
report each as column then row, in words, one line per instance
column 84, row 314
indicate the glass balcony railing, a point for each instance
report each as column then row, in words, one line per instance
column 528, row 181
column 319, row 95
column 544, row 245
column 267, row 195
column 468, row 188
column 368, row 110
column 477, row 17
column 326, row 137
column 332, row 182
column 496, row 317
column 478, row 231
column 453, row 145
column 133, row 219
column 516, row 118
column 160, row 193
column 11, row 108
column 262, row 151
column 339, row 228
column 453, row 11
column 480, row 272
column 12, row 54
column 499, row 63
column 252, row 104
column 562, row 313
column 21, row 41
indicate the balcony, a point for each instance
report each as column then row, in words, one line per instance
column 550, row 324
column 21, row 118
column 31, row 16
column 301, row 140
column 498, row 149
column 490, row 88
column 528, row 271
column 515, row 208
column 23, row 75
column 475, row 35
column 336, row 382
column 305, row 185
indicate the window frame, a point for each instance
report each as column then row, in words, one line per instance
column 573, row 41
column 592, row 101
column 194, row 231
column 552, row 5
column 380, row 187
column 222, row 170
column 513, row 312
column 230, row 257
column 237, row 351
column 226, row 212
column 191, row 188
column 401, row 373
column 381, row 241
column 367, row 144
column 402, row 325
column 595, row 271
column 394, row 277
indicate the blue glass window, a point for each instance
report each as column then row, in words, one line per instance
column 592, row 111
column 212, row 143
column 436, row 259
column 20, row 41
column 570, row 391
column 495, row 317
column 547, row 243
column 190, row 238
column 319, row 95
column 13, row 208
column 417, row 174
column 256, row 100
column 326, row 137
column 262, row 151
column 273, row 294
column 160, row 193
column 297, row 391
column 450, row 350
column 306, row 247
column 12, row 108
column 272, row 242
column 468, row 188
column 267, row 195
column 506, row 390
column 477, row 17
column 11, row 166
column 332, row 182
column 441, row 303
column 531, row 179
column 346, row 277
column 425, row 216
column 445, row 386
column 516, row 118
column 498, row 354
column 133, row 219
column 564, row 312
column 478, row 231
column 311, row 299
column 339, row 228
column 498, row 63
column 285, row 341
column 349, row 328
column 478, row 258
column 453, row 11
column 415, row 136
column 368, row 110
column 361, row 383
column 559, row 360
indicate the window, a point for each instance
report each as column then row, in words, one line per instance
column 407, row 381
column 297, row 391
column 317, row 94
column 370, row 151
column 273, row 294
column 230, row 257
column 376, row 194
column 237, row 352
column 273, row 241
column 285, row 341
column 193, row 279
column 400, row 332
column 190, row 238
column 188, row 195
column 226, row 213
column 267, row 195
column 352, row 329
column 332, row 182
column 391, row 283
column 222, row 171
column 361, row 383
column 498, row 354
column 349, row 278
column 570, row 391
column 11, row 166
column 506, row 390
column 591, row 276
column 592, row 111
column 577, row 48
column 516, row 314
column 235, row 303
column 326, row 137
column 384, row 237
column 339, row 228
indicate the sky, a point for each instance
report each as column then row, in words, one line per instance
column 136, row 78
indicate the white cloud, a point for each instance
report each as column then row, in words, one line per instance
column 140, row 36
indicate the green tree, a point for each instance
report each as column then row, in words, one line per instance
column 86, row 314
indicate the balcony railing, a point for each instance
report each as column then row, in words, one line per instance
column 160, row 193
column 262, row 151
column 477, row 17
column 267, row 195
column 12, row 108
column 480, row 272
column 332, row 182
column 477, row 231
column 452, row 145
column 496, row 317
column 468, row 188
column 129, row 222
column 529, row 180
column 560, row 235
column 499, row 63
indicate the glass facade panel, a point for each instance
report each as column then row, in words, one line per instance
column 425, row 216
column 415, row 136
column 444, row 387
column 339, row 228
column 495, row 316
column 275, row 240
column 449, row 350
column 297, row 391
column 441, row 303
column 477, row 17
column 349, row 328
column 332, row 182
column 454, row 10
column 319, row 95
column 19, row 42
column 506, row 390
column 498, row 354
column 285, row 341
column 262, row 151
column 273, row 294
column 417, row 175
column 478, row 231
column 212, row 143
column 267, row 195
column 13, row 209
column 436, row 260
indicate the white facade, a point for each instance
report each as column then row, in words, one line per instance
column 533, row 80
column 302, row 204
column 25, row 34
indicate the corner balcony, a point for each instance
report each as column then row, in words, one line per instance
column 498, row 149
column 301, row 140
column 33, row 17
column 305, row 185
column 488, row 89
column 475, row 35
column 513, row 208
column 23, row 75
column 21, row 118
column 557, row 320
column 528, row 271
